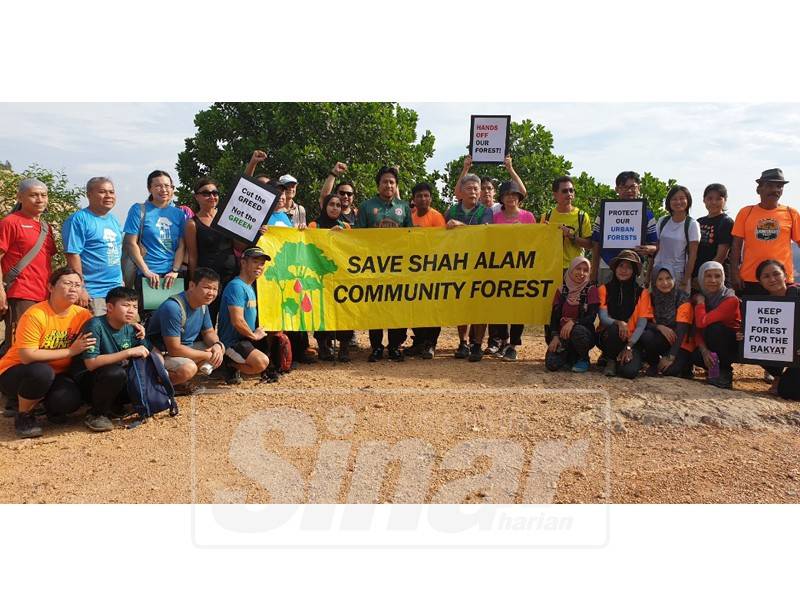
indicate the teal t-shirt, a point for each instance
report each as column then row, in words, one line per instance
column 109, row 340
column 376, row 212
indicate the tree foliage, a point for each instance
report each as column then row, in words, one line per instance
column 306, row 139
column 63, row 198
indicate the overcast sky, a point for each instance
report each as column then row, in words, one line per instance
column 694, row 143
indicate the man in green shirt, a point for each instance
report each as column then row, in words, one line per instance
column 118, row 340
column 385, row 210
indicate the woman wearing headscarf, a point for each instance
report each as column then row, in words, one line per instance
column 575, row 308
column 330, row 217
column 716, row 319
column 625, row 309
column 771, row 274
column 666, row 342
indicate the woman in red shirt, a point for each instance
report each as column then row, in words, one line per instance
column 716, row 319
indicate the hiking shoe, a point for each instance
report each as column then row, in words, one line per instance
column 25, row 426
column 326, row 353
column 344, row 353
column 493, row 349
column 233, row 376
column 581, row 366
column 462, row 351
column 98, row 422
column 377, row 354
column 269, row 377
column 611, row 368
column 475, row 353
column 652, row 371
column 186, row 389
column 414, row 350
column 724, row 380
column 509, row 353
column 428, row 353
column 396, row 354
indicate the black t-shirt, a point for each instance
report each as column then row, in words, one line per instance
column 713, row 232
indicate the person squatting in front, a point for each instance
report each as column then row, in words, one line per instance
column 575, row 308
column 625, row 309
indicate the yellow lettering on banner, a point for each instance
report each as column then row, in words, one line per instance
column 323, row 280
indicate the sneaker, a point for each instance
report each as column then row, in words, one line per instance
column 769, row 378
column 26, row 427
column 344, row 353
column 414, row 350
column 269, row 376
column 611, row 368
column 326, row 353
column 396, row 354
column 233, row 376
column 493, row 349
column 377, row 354
column 581, row 366
column 98, row 422
column 307, row 358
column 475, row 353
column 463, row 351
column 428, row 353
column 509, row 353
column 186, row 389
column 652, row 371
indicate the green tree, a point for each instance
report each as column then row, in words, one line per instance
column 306, row 139
column 63, row 198
column 531, row 148
column 589, row 192
column 655, row 191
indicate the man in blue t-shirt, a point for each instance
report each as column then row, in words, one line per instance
column 628, row 187
column 93, row 244
column 181, row 330
column 238, row 316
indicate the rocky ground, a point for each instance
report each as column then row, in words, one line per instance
column 430, row 431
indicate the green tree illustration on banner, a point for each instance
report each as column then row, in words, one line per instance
column 302, row 267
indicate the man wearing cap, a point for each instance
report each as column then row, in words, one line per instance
column 628, row 187
column 763, row 231
column 25, row 270
column 238, row 317
column 346, row 191
column 385, row 210
column 294, row 211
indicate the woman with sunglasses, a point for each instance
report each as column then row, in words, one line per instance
column 344, row 189
column 207, row 247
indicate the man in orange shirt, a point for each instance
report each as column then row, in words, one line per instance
column 763, row 231
column 425, row 338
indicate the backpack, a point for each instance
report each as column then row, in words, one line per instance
column 149, row 388
column 280, row 352
column 183, row 308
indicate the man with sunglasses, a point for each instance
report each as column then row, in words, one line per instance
column 628, row 187
column 574, row 222
column 761, row 231
column 344, row 189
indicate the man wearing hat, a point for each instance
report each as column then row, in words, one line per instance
column 238, row 316
column 293, row 210
column 763, row 231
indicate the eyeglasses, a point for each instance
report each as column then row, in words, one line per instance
column 164, row 186
column 70, row 285
column 208, row 193
column 630, row 187
column 348, row 194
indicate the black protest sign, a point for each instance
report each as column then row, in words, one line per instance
column 623, row 223
column 488, row 138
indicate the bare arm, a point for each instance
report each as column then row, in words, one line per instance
column 3, row 299
column 722, row 253
column 175, row 348
column 258, row 157
column 464, row 171
column 190, row 239
column 103, row 360
column 31, row 355
column 583, row 242
column 338, row 170
column 241, row 326
column 687, row 276
column 736, row 261
column 595, row 261
column 513, row 174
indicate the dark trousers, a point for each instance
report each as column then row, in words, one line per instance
column 722, row 340
column 653, row 345
column 396, row 338
column 61, row 395
column 106, row 388
column 325, row 338
column 299, row 342
column 789, row 382
column 426, row 336
column 16, row 307
column 501, row 335
column 581, row 340
column 611, row 345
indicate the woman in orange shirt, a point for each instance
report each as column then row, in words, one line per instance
column 625, row 309
column 35, row 367
column 330, row 217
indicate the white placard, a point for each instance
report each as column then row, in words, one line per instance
column 488, row 138
column 245, row 211
column 622, row 223
column 769, row 331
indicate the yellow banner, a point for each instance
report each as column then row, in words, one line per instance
column 323, row 280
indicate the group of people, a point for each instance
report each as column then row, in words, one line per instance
column 659, row 308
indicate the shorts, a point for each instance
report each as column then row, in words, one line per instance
column 239, row 352
column 98, row 306
column 173, row 363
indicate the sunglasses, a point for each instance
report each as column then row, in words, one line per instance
column 347, row 194
column 207, row 193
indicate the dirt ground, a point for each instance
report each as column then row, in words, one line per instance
column 430, row 431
